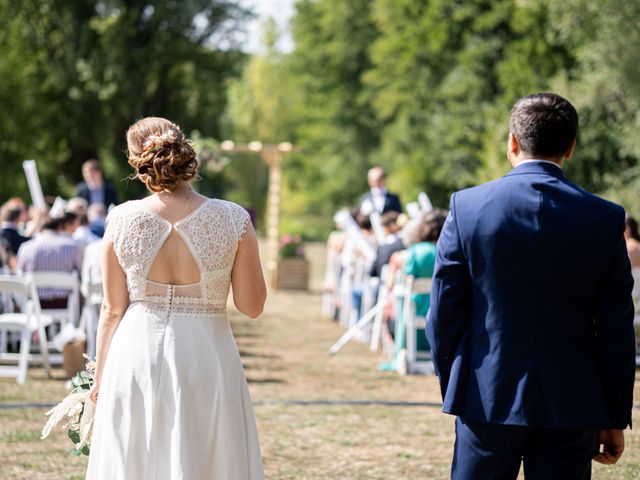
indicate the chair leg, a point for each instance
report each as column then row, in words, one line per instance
column 44, row 350
column 23, row 359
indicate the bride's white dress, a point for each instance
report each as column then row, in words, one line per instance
column 174, row 402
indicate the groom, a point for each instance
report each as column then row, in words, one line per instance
column 531, row 320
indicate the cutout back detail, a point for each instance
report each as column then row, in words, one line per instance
column 174, row 263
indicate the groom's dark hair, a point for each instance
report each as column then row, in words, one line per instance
column 545, row 124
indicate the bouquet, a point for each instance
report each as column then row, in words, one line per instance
column 78, row 408
column 290, row 246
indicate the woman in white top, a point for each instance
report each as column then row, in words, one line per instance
column 171, row 397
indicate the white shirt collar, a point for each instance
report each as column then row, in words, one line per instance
column 536, row 160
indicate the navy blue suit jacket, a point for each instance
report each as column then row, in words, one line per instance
column 110, row 194
column 531, row 319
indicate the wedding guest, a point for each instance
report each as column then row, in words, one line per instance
column 379, row 199
column 421, row 258
column 12, row 214
column 4, row 257
column 632, row 238
column 417, row 260
column 97, row 216
column 83, row 234
column 95, row 189
column 52, row 250
column 393, row 243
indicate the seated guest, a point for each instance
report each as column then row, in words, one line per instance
column 97, row 216
column 4, row 257
column 378, row 199
column 83, row 234
column 632, row 238
column 12, row 214
column 393, row 243
column 418, row 260
column 95, row 189
column 421, row 257
column 52, row 250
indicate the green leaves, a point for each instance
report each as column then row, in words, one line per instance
column 74, row 435
column 75, row 75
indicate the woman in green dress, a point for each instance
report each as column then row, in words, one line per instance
column 420, row 258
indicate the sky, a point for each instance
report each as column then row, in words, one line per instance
column 280, row 10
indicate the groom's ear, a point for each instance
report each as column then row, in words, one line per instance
column 569, row 153
column 513, row 148
column 512, row 145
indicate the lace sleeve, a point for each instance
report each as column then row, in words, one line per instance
column 113, row 225
column 240, row 219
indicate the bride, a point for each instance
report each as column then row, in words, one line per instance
column 171, row 398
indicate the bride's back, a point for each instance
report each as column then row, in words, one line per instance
column 168, row 250
column 174, row 263
column 177, row 237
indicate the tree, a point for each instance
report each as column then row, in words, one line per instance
column 336, row 125
column 79, row 73
column 603, row 84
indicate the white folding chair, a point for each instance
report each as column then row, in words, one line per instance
column 92, row 290
column 330, row 286
column 376, row 330
column 359, row 280
column 417, row 362
column 28, row 321
column 64, row 281
column 346, row 282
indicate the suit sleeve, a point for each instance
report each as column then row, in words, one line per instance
column 615, row 335
column 451, row 300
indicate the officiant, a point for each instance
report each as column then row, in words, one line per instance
column 95, row 189
column 378, row 199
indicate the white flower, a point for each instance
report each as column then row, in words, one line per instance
column 158, row 141
column 61, row 410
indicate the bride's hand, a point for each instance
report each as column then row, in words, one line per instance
column 93, row 393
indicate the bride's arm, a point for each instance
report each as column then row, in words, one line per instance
column 114, row 306
column 249, row 290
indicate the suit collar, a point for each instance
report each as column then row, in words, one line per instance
column 539, row 168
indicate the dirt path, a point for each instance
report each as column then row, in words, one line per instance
column 285, row 357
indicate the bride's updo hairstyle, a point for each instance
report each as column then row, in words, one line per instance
column 160, row 154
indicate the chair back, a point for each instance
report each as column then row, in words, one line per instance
column 59, row 280
column 18, row 290
column 15, row 284
column 65, row 281
column 418, row 286
column 92, row 288
column 415, row 361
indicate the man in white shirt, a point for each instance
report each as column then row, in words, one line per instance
column 379, row 199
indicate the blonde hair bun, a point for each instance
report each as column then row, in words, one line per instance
column 160, row 154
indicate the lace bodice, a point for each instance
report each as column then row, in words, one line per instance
column 211, row 232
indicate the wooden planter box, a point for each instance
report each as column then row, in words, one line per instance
column 293, row 274
column 72, row 359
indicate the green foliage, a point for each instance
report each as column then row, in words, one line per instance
column 335, row 122
column 75, row 75
column 74, row 435
column 422, row 87
column 604, row 85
